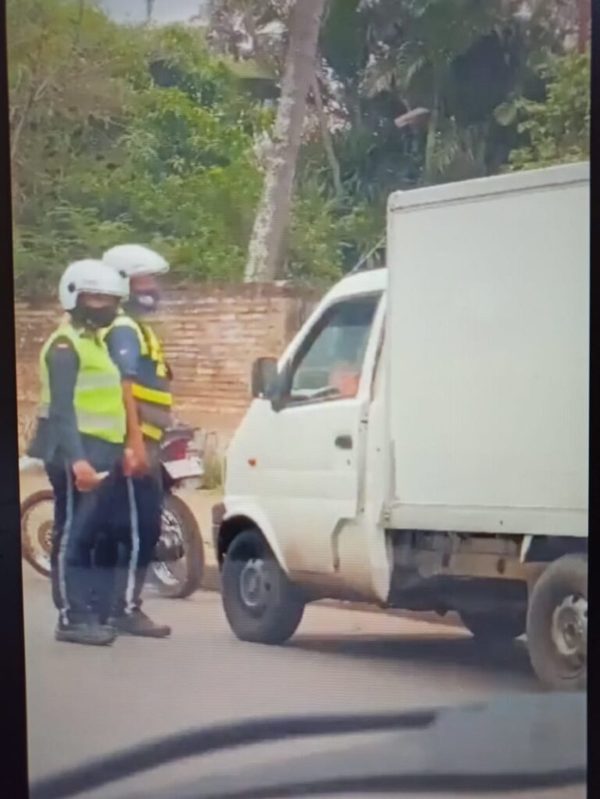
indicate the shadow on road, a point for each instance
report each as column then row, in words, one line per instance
column 424, row 652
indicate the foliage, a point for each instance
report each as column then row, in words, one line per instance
column 150, row 134
column 213, row 479
column 314, row 242
column 71, row 80
column 558, row 129
column 160, row 150
column 251, row 29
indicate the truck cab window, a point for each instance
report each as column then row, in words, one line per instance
column 329, row 366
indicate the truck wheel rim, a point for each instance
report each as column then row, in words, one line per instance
column 254, row 584
column 569, row 628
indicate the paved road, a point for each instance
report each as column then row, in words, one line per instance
column 86, row 702
column 83, row 702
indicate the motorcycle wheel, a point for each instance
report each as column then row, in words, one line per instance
column 178, row 579
column 37, row 523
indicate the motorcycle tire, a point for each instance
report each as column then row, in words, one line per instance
column 36, row 550
column 180, row 579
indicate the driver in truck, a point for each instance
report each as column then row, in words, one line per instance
column 345, row 379
column 345, row 374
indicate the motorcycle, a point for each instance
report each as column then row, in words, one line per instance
column 178, row 565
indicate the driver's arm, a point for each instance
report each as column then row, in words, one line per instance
column 345, row 378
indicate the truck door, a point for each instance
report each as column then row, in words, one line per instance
column 310, row 481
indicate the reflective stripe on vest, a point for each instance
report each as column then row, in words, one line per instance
column 152, row 395
column 98, row 397
column 150, row 431
column 154, row 401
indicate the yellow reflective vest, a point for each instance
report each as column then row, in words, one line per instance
column 152, row 386
column 98, row 397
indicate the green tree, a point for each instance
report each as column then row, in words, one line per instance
column 157, row 134
column 557, row 130
column 125, row 134
column 70, row 75
column 160, row 147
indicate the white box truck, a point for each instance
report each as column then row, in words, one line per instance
column 423, row 442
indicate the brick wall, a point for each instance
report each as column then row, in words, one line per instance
column 211, row 333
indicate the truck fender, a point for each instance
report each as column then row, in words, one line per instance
column 238, row 516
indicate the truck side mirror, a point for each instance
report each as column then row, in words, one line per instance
column 264, row 378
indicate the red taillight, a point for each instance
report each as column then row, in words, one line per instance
column 176, row 451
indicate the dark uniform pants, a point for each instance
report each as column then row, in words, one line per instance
column 127, row 548
column 80, row 584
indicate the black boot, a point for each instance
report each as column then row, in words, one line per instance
column 89, row 633
column 137, row 623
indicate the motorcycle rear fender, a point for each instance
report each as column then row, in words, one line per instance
column 184, row 468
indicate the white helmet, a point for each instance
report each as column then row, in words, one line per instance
column 132, row 260
column 89, row 275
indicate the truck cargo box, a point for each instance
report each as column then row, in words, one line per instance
column 487, row 347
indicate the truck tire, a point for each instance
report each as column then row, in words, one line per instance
column 260, row 603
column 557, row 624
column 499, row 627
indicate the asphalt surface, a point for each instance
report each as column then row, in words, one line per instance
column 87, row 702
column 83, row 702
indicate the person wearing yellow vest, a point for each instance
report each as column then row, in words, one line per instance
column 80, row 437
column 137, row 351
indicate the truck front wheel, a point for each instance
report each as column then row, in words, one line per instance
column 260, row 603
column 557, row 624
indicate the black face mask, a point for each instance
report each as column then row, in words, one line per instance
column 94, row 318
column 142, row 303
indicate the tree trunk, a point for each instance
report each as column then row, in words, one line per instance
column 272, row 217
column 149, row 11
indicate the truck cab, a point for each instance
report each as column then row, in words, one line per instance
column 298, row 461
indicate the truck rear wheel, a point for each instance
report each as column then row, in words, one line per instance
column 495, row 627
column 557, row 624
column 260, row 603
